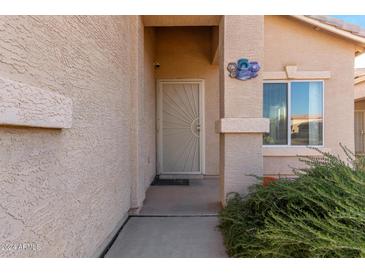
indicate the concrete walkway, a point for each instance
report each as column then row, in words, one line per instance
column 175, row 222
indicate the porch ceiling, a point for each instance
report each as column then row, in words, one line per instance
column 180, row 20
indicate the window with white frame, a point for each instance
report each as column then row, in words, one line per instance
column 295, row 110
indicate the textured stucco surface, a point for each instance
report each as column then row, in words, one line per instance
column 22, row 105
column 242, row 125
column 242, row 98
column 143, row 106
column 185, row 52
column 241, row 153
column 149, row 107
column 66, row 190
column 301, row 45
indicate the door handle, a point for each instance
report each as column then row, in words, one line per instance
column 198, row 127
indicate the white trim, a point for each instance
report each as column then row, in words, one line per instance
column 202, row 125
column 289, row 145
column 158, row 127
column 159, row 150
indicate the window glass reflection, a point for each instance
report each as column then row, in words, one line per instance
column 275, row 108
column 306, row 113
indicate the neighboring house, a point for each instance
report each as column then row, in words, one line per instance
column 93, row 108
column 360, row 111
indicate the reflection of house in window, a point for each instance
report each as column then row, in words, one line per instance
column 275, row 108
column 306, row 129
column 305, row 111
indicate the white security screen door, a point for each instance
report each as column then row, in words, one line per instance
column 359, row 132
column 180, row 126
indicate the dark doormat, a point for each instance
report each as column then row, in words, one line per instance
column 170, row 182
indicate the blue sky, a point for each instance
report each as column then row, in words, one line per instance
column 358, row 20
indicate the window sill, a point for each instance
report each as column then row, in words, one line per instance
column 287, row 151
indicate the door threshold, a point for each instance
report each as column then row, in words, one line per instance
column 182, row 176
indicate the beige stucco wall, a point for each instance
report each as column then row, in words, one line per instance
column 143, row 145
column 185, row 52
column 66, row 190
column 148, row 124
column 241, row 105
column 288, row 42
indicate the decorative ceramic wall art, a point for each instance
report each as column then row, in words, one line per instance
column 243, row 69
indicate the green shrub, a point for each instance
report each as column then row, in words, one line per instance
column 320, row 213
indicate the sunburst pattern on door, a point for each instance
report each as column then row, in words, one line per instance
column 180, row 127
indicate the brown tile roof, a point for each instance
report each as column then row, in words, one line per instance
column 340, row 24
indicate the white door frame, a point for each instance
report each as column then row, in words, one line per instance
column 200, row 82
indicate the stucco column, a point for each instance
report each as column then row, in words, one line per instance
column 137, row 88
column 241, row 124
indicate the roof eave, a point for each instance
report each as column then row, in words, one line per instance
column 356, row 39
